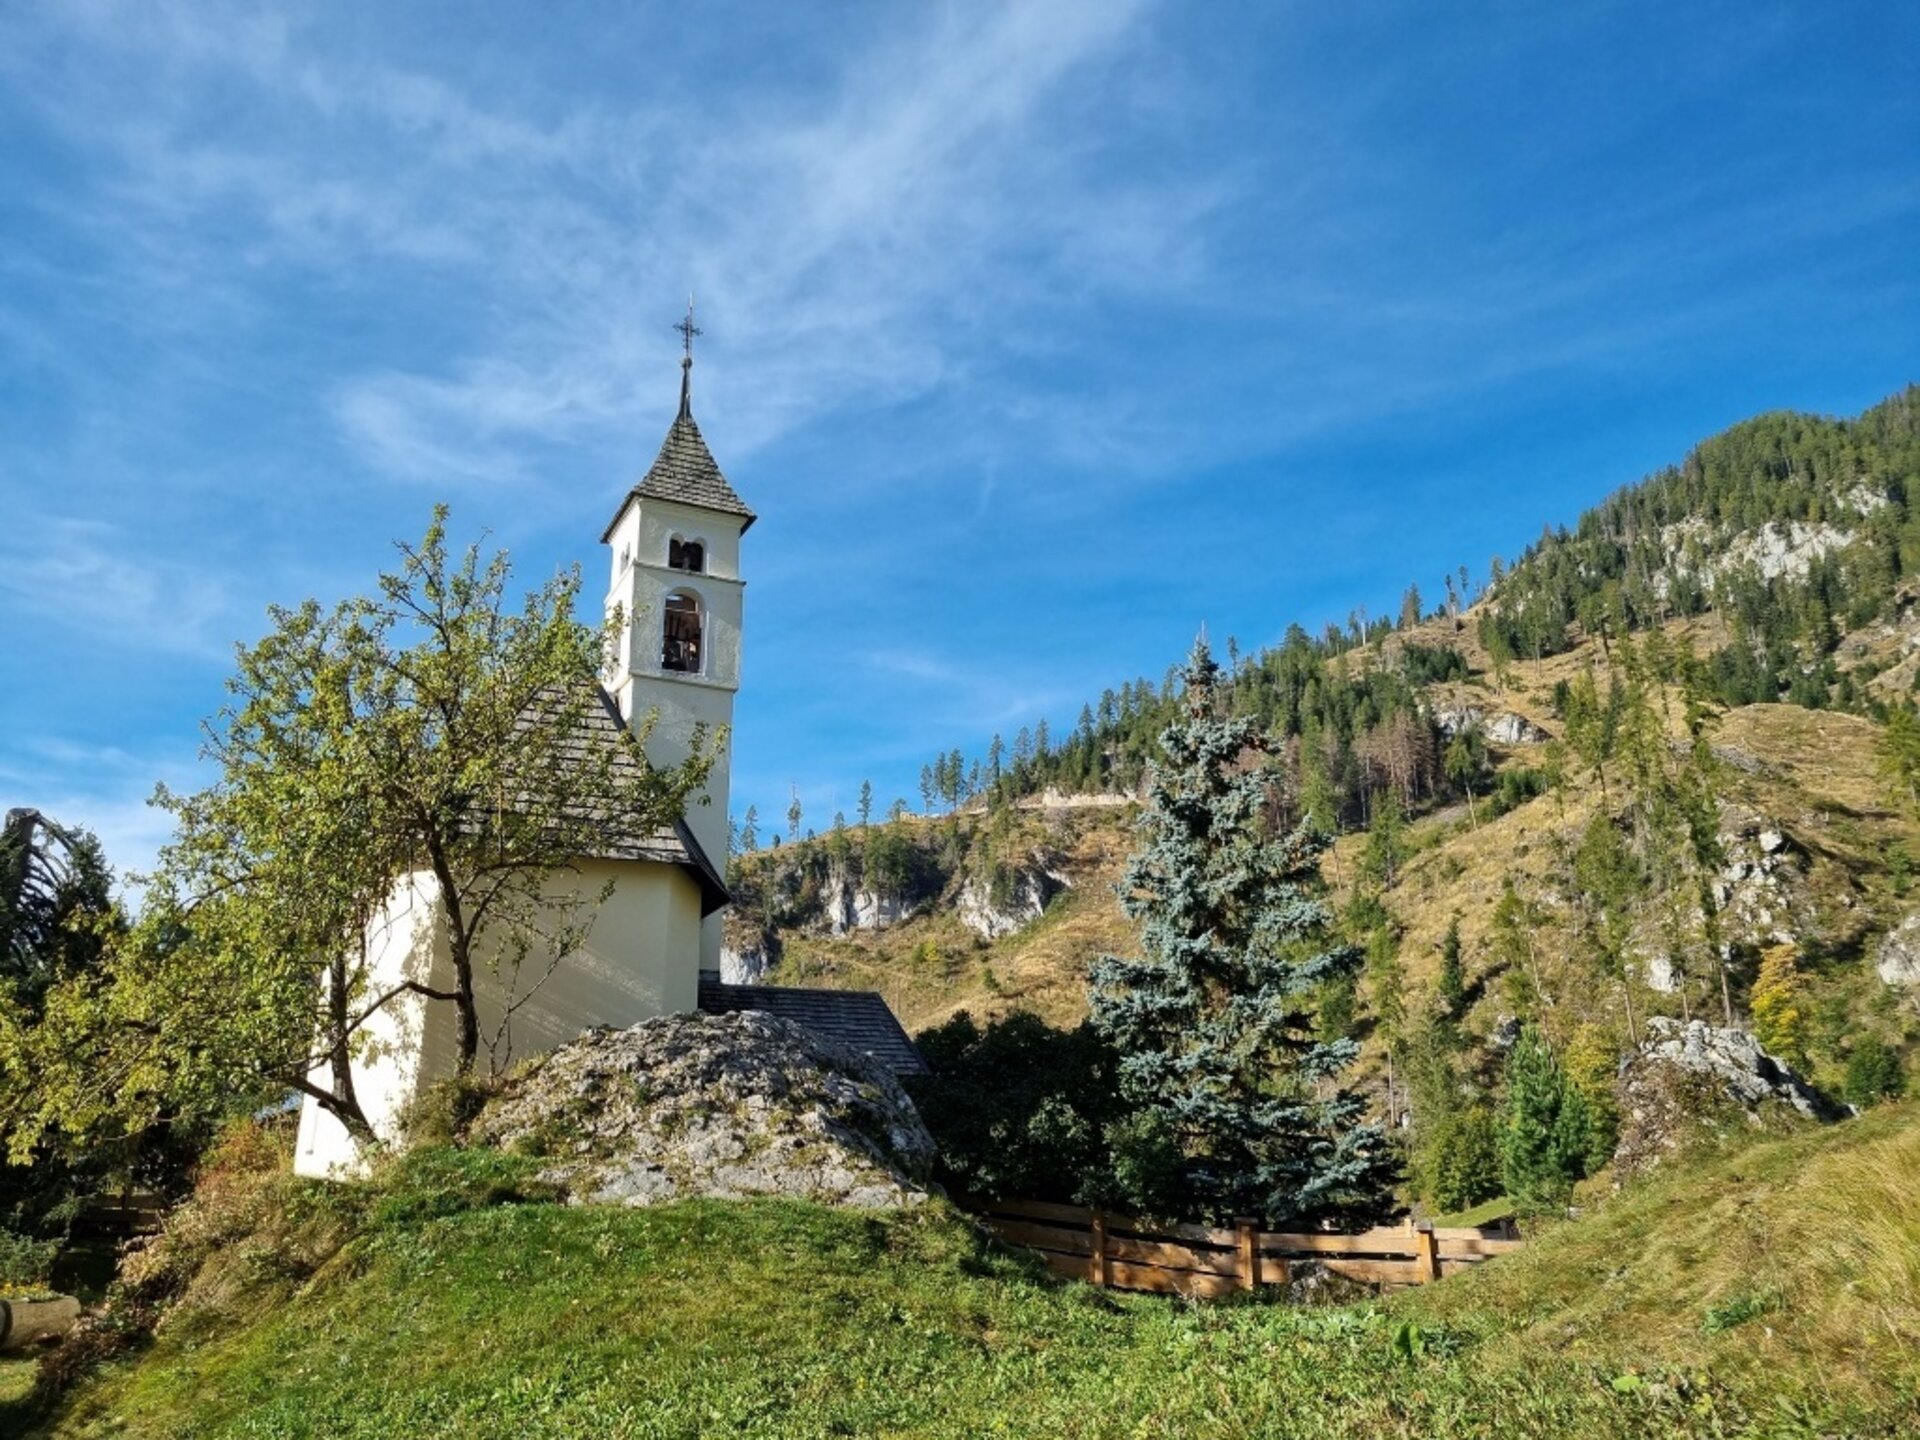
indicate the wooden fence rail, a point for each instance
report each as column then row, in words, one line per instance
column 1198, row 1260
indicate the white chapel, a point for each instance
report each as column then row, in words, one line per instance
column 675, row 583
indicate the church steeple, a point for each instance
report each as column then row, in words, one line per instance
column 679, row 597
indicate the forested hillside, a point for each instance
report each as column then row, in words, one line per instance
column 1662, row 765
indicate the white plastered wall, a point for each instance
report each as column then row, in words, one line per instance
column 638, row 960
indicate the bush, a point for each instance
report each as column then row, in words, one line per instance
column 24, row 1261
column 1020, row 1109
column 1873, row 1072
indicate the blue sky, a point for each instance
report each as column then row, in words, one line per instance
column 1039, row 334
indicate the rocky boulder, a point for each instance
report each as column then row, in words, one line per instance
column 850, row 906
column 1505, row 728
column 1694, row 1079
column 728, row 1106
column 1897, row 961
column 747, row 953
column 1746, row 1074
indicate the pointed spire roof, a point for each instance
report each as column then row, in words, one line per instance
column 685, row 473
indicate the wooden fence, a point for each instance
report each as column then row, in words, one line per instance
column 1196, row 1260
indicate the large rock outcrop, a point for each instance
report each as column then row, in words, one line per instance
column 1746, row 1074
column 1505, row 728
column 728, row 1106
column 1897, row 960
column 1692, row 1078
column 1023, row 895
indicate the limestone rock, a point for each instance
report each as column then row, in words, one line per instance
column 1028, row 892
column 853, row 906
column 1505, row 728
column 728, row 1106
column 1746, row 1074
column 747, row 954
column 1898, row 959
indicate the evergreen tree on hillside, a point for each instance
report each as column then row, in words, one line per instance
column 1452, row 984
column 1214, row 1023
column 750, row 830
column 1547, row 1131
column 866, row 803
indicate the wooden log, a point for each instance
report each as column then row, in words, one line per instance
column 1171, row 1282
column 1173, row 1257
column 1370, row 1242
column 1192, row 1234
column 1043, row 1237
column 1429, row 1254
column 1480, row 1247
column 22, row 1322
column 1376, row 1272
column 1030, row 1210
column 1249, row 1255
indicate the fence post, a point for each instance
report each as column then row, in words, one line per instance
column 1427, row 1253
column 1097, row 1261
column 1249, row 1267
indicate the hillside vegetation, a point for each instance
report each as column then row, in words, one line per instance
column 1661, row 764
column 1769, row 1291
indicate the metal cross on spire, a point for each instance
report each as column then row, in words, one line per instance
column 687, row 331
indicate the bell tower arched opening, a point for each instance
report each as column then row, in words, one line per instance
column 682, row 633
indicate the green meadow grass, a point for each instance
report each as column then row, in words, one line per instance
column 448, row 1304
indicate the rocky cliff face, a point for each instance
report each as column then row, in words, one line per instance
column 1897, row 958
column 1024, row 893
column 728, row 1106
column 851, row 905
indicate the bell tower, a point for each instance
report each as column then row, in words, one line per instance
column 677, row 588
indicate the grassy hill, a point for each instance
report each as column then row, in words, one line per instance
column 1770, row 1290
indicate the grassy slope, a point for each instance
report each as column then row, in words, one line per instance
column 781, row 1319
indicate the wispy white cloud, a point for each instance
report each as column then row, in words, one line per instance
column 845, row 244
column 98, row 583
column 102, row 788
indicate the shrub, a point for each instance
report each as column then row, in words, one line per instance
column 24, row 1260
column 1873, row 1072
column 1020, row 1109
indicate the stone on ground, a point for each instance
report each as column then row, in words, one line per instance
column 727, row 1106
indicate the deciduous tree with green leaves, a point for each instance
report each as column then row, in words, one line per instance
column 1214, row 1022
column 435, row 729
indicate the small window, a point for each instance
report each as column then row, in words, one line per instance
column 688, row 555
column 680, row 634
column 626, row 558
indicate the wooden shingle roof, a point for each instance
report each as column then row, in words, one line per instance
column 685, row 473
column 858, row 1019
column 617, row 835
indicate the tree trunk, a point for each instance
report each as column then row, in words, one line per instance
column 344, row 1102
column 460, row 947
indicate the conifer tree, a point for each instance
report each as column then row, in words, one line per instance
column 1214, row 1023
column 1547, row 1130
column 866, row 803
column 793, row 816
column 1453, row 976
column 750, row 830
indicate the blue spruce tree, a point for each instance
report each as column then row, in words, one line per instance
column 1214, row 1023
